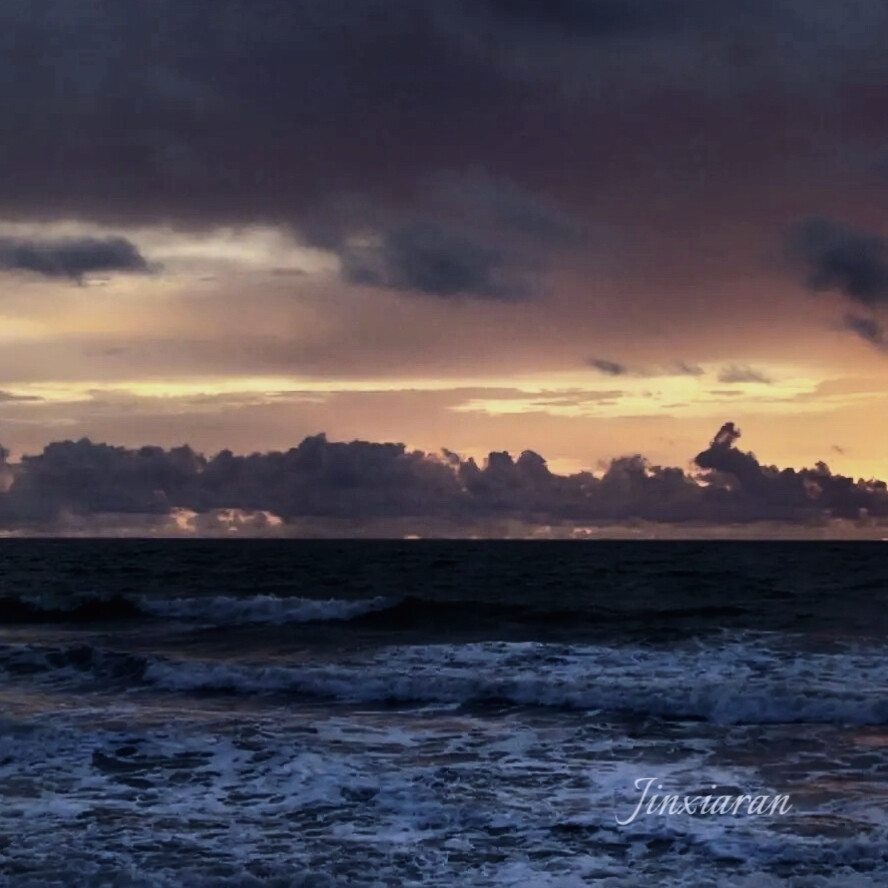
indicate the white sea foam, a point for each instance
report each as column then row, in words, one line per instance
column 136, row 789
column 191, row 795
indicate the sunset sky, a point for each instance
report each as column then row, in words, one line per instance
column 590, row 229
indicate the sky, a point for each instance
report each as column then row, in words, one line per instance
column 588, row 229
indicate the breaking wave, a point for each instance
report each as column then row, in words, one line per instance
column 740, row 682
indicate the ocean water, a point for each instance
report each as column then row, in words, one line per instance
column 289, row 713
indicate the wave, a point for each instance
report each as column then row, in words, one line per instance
column 80, row 660
column 740, row 682
column 587, row 678
column 379, row 613
column 223, row 610
column 220, row 610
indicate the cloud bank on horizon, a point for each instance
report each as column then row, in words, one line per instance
column 359, row 483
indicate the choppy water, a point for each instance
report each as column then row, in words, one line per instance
column 442, row 714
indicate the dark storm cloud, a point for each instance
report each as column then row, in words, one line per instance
column 429, row 258
column 362, row 481
column 737, row 373
column 602, row 19
column 757, row 491
column 725, row 47
column 71, row 257
column 841, row 258
column 203, row 112
column 357, row 479
column 504, row 206
column 609, row 368
column 478, row 236
column 848, row 261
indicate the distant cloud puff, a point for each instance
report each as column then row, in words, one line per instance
column 10, row 398
column 737, row 373
column 615, row 368
column 71, row 257
column 609, row 368
column 682, row 368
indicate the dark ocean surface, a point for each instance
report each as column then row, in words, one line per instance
column 323, row 713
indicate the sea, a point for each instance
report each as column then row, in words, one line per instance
column 329, row 713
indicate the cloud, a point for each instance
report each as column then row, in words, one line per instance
column 676, row 368
column 737, row 373
column 10, row 398
column 148, row 129
column 841, row 258
column 431, row 258
column 658, row 45
column 605, row 18
column 362, row 482
column 848, row 261
column 71, row 257
column 503, row 205
column 609, row 368
column 759, row 492
column 867, row 329
column 465, row 234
